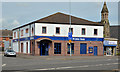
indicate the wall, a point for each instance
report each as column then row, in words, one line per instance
column 15, row 46
column 24, row 46
column 64, row 50
column 24, row 32
column 16, row 33
column 77, row 29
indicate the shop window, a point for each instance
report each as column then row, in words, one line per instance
column 21, row 32
column 57, row 48
column 14, row 34
column 71, row 30
column 57, row 30
column 44, row 30
column 72, row 48
column 95, row 32
column 27, row 30
column 90, row 50
column 83, row 48
column 83, row 31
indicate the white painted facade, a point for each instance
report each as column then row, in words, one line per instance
column 29, row 27
column 64, row 29
column 17, row 30
column 24, row 46
column 15, row 46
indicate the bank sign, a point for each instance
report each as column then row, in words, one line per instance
column 106, row 42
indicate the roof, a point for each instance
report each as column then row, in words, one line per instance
column 5, row 33
column 115, row 31
column 104, row 9
column 61, row 18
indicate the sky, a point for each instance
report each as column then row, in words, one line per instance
column 15, row 14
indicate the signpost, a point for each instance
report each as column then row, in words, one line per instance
column 70, row 40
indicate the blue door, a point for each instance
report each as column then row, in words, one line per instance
column 95, row 50
column 83, row 48
column 44, row 49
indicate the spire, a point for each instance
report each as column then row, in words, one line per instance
column 105, row 9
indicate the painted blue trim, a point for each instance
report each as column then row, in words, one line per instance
column 62, row 38
column 15, row 40
column 110, row 45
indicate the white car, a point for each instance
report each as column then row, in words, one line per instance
column 10, row 52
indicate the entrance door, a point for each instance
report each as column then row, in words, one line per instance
column 109, row 51
column 44, row 49
column 95, row 50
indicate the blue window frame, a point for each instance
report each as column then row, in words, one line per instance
column 57, row 48
column 72, row 48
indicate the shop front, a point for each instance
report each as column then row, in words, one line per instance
column 110, row 48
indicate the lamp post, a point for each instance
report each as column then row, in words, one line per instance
column 70, row 23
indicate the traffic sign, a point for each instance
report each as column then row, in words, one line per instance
column 69, row 35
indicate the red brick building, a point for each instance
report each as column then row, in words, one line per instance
column 5, row 35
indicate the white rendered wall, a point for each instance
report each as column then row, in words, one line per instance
column 32, row 26
column 24, row 46
column 24, row 31
column 16, row 33
column 15, row 46
column 51, row 29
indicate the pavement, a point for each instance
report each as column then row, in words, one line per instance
column 43, row 63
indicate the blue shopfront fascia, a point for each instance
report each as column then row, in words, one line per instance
column 110, row 45
column 59, row 38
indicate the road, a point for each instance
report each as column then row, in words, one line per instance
column 38, row 63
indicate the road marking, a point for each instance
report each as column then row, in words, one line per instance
column 3, row 65
column 107, row 64
column 41, row 69
column 75, row 66
column 114, row 63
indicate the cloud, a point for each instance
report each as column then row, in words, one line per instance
column 15, row 22
column 8, row 23
column 2, row 20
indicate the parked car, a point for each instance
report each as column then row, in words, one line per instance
column 9, row 52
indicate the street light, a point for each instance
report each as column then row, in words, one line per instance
column 70, row 23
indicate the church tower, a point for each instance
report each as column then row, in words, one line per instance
column 105, row 21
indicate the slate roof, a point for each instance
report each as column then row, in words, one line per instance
column 61, row 18
column 5, row 33
column 115, row 32
column 104, row 9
